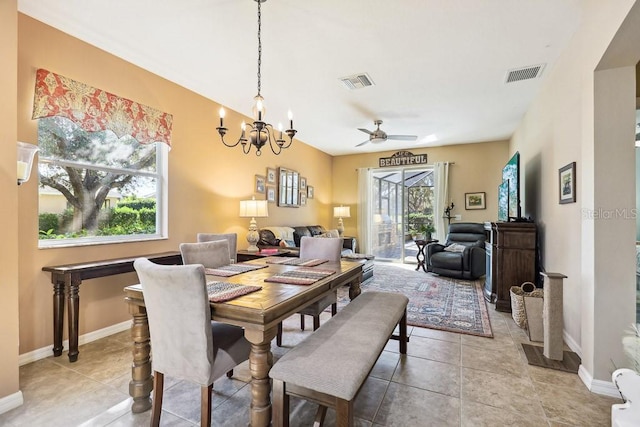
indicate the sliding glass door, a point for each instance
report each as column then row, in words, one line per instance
column 401, row 203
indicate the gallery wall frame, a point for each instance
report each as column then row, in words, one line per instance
column 567, row 183
column 260, row 184
column 475, row 200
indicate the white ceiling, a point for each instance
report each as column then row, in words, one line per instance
column 439, row 66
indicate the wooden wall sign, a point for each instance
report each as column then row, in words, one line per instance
column 402, row 158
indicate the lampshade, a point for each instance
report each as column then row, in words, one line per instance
column 25, row 160
column 253, row 208
column 342, row 212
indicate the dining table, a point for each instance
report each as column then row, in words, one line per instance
column 258, row 313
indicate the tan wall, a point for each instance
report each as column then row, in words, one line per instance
column 477, row 168
column 8, row 213
column 206, row 179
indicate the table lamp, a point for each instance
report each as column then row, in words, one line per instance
column 341, row 212
column 253, row 209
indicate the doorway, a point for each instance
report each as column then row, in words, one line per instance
column 401, row 206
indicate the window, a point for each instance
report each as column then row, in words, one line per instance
column 98, row 188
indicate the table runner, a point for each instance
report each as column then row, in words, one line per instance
column 223, row 291
column 287, row 260
column 232, row 269
column 300, row 276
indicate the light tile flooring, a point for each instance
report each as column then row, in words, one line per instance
column 446, row 379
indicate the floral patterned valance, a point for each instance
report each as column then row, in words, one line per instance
column 95, row 110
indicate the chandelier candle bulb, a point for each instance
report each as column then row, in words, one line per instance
column 280, row 129
column 290, row 114
column 221, row 117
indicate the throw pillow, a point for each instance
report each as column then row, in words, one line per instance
column 329, row 234
column 455, row 247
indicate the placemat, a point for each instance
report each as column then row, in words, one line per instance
column 287, row 260
column 223, row 291
column 300, row 276
column 232, row 269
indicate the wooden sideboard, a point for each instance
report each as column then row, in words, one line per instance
column 511, row 260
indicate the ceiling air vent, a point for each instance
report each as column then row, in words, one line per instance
column 357, row 81
column 525, row 73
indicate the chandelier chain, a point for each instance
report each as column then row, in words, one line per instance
column 259, row 44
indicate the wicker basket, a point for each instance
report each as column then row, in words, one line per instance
column 517, row 301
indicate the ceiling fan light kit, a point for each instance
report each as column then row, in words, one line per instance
column 378, row 135
column 260, row 132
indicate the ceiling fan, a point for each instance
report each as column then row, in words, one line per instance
column 381, row 136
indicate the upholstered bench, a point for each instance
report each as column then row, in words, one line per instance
column 330, row 366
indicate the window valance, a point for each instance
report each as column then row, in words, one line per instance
column 95, row 110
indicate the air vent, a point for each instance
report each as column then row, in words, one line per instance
column 357, row 81
column 525, row 73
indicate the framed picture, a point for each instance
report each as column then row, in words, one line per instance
column 303, row 183
column 260, row 184
column 271, row 193
column 474, row 201
column 303, row 198
column 567, row 183
column 271, row 176
column 309, row 192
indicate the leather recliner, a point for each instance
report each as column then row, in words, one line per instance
column 469, row 261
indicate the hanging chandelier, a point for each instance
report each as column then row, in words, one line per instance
column 259, row 132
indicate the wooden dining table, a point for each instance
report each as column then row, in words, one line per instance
column 258, row 313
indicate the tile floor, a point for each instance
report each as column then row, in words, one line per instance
column 446, row 379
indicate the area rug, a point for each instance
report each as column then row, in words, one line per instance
column 435, row 302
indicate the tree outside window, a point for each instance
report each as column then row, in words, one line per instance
column 97, row 187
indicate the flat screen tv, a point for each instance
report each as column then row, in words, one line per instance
column 509, row 203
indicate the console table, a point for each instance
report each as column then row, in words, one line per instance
column 66, row 280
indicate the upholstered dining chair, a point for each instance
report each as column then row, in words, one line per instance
column 210, row 254
column 232, row 238
column 328, row 248
column 185, row 343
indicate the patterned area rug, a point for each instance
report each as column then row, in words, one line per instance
column 435, row 302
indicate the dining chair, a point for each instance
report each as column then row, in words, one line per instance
column 232, row 238
column 210, row 254
column 186, row 343
column 328, row 248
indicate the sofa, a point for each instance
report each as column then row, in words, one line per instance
column 289, row 237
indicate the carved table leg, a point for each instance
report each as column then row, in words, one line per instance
column 73, row 303
column 141, row 383
column 260, row 362
column 58, row 314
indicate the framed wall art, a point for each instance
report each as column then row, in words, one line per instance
column 310, row 192
column 271, row 193
column 271, row 176
column 303, row 184
column 303, row 198
column 567, row 183
column 260, row 184
column 475, row 201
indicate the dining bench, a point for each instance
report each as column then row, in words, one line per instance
column 331, row 365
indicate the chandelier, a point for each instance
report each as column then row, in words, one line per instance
column 259, row 133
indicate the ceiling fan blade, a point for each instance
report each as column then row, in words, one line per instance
column 365, row 131
column 362, row 143
column 403, row 137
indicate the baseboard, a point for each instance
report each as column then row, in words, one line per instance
column 606, row 388
column 12, row 401
column 44, row 352
column 571, row 343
